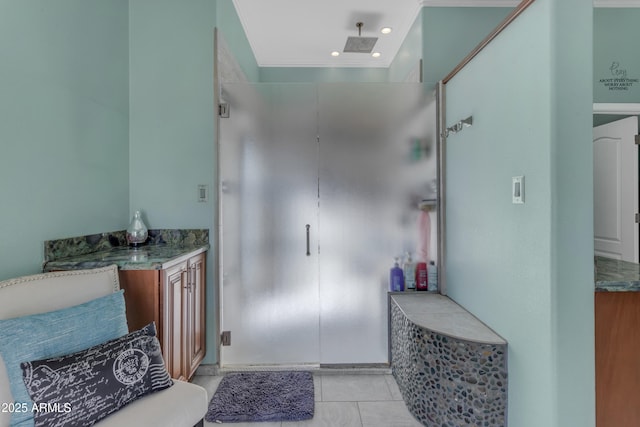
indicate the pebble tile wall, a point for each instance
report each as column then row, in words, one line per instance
column 447, row 382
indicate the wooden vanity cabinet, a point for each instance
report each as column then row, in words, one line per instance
column 617, row 342
column 175, row 299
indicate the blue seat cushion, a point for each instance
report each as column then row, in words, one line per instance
column 56, row 333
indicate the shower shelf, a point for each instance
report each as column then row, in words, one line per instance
column 427, row 204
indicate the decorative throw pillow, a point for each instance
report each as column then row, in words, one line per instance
column 55, row 333
column 82, row 388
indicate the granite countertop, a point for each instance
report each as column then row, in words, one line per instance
column 164, row 248
column 149, row 257
column 613, row 275
column 441, row 314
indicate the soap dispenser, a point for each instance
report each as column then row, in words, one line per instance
column 409, row 269
column 432, row 279
column 396, row 279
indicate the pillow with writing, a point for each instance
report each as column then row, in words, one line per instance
column 82, row 388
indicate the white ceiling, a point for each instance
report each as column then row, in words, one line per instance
column 303, row 33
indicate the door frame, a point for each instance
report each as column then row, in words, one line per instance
column 626, row 109
column 620, row 108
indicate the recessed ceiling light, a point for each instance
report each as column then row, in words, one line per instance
column 335, row 53
column 376, row 54
column 386, row 30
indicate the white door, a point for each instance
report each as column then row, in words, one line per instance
column 615, row 189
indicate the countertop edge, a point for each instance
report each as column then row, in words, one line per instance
column 125, row 264
column 615, row 275
column 184, row 257
column 499, row 340
column 615, row 286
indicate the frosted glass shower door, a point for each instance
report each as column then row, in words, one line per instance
column 269, row 224
column 377, row 162
column 351, row 161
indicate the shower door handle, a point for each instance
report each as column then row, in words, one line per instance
column 308, row 251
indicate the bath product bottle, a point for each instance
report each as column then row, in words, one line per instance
column 396, row 279
column 433, row 276
column 409, row 269
column 421, row 276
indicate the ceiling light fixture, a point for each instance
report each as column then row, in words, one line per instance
column 335, row 53
column 376, row 54
column 386, row 30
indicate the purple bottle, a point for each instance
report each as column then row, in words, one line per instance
column 396, row 279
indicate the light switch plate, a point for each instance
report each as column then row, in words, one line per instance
column 517, row 190
column 203, row 193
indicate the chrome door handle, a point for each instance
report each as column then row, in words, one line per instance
column 308, row 251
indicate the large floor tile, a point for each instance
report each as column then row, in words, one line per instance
column 386, row 414
column 393, row 387
column 331, row 414
column 353, row 388
column 208, row 382
column 317, row 388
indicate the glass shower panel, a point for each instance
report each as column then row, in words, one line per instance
column 269, row 194
column 377, row 163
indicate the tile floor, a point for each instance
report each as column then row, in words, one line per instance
column 343, row 401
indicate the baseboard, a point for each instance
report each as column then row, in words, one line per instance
column 323, row 368
column 354, row 368
column 205, row 369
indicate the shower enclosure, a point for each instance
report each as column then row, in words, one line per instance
column 319, row 191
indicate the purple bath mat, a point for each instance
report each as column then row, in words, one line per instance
column 263, row 396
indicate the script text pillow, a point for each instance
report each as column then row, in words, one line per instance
column 82, row 388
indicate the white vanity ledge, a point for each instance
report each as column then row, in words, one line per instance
column 442, row 315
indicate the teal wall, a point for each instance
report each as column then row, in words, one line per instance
column 615, row 49
column 172, row 112
column 572, row 279
column 450, row 33
column 410, row 52
column 172, row 134
column 65, row 117
column 229, row 24
column 321, row 75
column 527, row 270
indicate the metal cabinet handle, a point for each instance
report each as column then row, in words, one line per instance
column 308, row 251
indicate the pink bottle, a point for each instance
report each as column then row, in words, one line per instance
column 421, row 276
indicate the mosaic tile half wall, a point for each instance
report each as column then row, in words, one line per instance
column 448, row 382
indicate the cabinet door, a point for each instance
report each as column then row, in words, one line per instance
column 174, row 317
column 617, row 342
column 142, row 298
column 195, row 330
